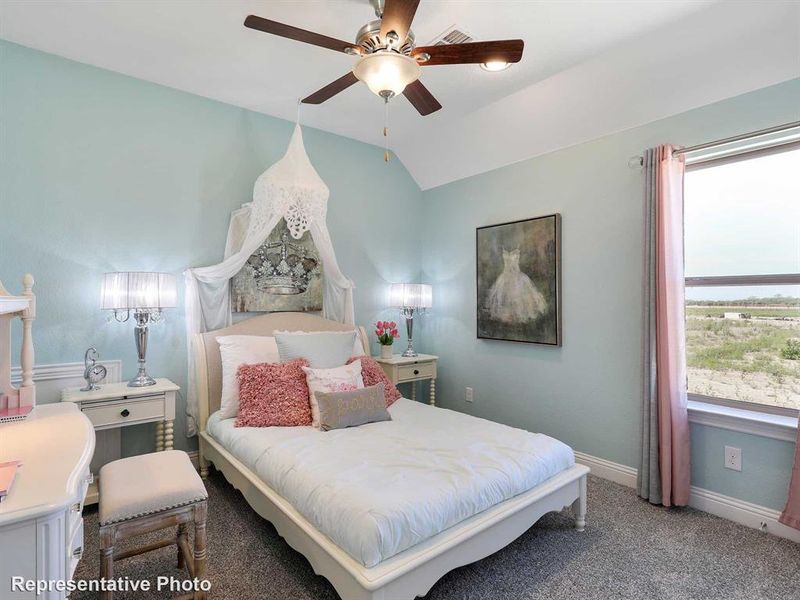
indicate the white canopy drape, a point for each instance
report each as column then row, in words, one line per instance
column 290, row 189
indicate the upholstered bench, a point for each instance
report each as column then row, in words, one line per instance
column 146, row 493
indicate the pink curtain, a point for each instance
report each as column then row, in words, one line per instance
column 673, row 419
column 664, row 469
column 791, row 514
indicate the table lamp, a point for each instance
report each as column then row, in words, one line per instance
column 146, row 294
column 411, row 298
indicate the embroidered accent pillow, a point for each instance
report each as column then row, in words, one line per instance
column 340, row 379
column 372, row 374
column 273, row 395
column 338, row 410
column 235, row 350
column 322, row 349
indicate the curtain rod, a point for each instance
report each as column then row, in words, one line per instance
column 728, row 140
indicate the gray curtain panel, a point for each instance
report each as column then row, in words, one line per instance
column 649, row 476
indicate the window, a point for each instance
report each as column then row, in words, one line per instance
column 742, row 268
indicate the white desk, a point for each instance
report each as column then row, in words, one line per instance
column 41, row 527
column 115, row 405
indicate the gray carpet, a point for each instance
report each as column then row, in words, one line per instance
column 629, row 550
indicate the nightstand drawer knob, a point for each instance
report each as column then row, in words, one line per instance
column 125, row 412
column 416, row 371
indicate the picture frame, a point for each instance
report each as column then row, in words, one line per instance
column 518, row 277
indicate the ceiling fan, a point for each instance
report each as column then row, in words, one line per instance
column 388, row 60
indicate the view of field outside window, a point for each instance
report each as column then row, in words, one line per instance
column 743, row 218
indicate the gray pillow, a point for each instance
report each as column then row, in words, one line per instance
column 338, row 410
column 322, row 349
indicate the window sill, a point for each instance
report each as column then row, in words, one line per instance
column 778, row 427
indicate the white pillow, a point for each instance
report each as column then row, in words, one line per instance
column 358, row 347
column 338, row 379
column 235, row 350
column 322, row 349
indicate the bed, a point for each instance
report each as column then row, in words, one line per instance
column 385, row 510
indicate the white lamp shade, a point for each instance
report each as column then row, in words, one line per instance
column 387, row 72
column 411, row 295
column 131, row 290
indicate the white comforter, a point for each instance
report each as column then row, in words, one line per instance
column 378, row 489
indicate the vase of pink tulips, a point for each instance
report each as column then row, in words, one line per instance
column 386, row 332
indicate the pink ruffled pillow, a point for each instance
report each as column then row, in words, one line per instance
column 372, row 374
column 273, row 395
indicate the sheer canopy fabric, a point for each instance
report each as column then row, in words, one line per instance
column 291, row 189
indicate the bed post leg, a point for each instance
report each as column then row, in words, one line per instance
column 579, row 506
column 202, row 462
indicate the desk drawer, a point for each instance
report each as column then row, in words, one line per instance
column 414, row 372
column 120, row 413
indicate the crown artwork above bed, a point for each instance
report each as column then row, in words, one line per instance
column 277, row 250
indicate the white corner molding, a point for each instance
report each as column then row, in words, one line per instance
column 745, row 513
column 777, row 427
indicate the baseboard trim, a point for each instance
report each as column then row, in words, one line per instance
column 605, row 469
column 745, row 513
column 739, row 511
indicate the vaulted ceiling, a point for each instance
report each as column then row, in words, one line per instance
column 590, row 67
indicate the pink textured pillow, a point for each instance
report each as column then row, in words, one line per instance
column 372, row 374
column 273, row 395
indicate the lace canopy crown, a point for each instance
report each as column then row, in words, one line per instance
column 291, row 188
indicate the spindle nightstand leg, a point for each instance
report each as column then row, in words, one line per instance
column 159, row 436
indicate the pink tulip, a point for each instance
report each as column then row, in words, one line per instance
column 378, row 332
column 395, row 333
column 393, row 325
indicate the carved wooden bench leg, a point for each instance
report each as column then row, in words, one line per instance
column 200, row 513
column 181, row 537
column 107, row 535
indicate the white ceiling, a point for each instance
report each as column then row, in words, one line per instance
column 590, row 67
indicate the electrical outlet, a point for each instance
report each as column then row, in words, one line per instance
column 733, row 458
column 469, row 396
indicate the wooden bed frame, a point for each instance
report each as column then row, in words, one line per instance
column 410, row 573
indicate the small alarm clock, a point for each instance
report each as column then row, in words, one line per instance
column 92, row 373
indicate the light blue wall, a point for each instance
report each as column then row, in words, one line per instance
column 102, row 172
column 587, row 392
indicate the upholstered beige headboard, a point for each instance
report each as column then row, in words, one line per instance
column 209, row 365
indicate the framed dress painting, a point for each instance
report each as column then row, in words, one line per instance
column 519, row 281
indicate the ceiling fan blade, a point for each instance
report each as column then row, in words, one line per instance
column 397, row 17
column 295, row 33
column 421, row 98
column 472, row 52
column 330, row 90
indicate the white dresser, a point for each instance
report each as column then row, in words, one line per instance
column 41, row 527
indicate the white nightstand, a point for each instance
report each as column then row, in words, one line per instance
column 401, row 369
column 115, row 405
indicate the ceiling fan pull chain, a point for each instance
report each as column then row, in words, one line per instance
column 386, row 130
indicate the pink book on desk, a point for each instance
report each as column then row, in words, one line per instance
column 7, row 472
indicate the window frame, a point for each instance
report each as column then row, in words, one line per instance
column 696, row 163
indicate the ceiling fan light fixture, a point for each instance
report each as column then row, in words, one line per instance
column 387, row 73
column 494, row 66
